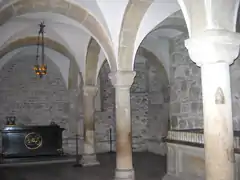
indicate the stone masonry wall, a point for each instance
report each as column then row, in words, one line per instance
column 149, row 107
column 185, row 83
column 139, row 105
column 235, row 89
column 32, row 100
column 186, row 93
column 105, row 119
column 158, row 107
column 37, row 101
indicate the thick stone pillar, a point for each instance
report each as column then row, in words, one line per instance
column 122, row 81
column 89, row 154
column 214, row 51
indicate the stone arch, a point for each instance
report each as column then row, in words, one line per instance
column 107, row 108
column 236, row 15
column 134, row 13
column 106, row 88
column 28, row 41
column 238, row 20
column 169, row 28
column 31, row 30
column 68, row 9
column 176, row 23
column 92, row 56
column 183, row 5
column 149, row 55
column 151, row 21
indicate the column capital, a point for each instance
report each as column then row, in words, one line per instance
column 90, row 90
column 213, row 46
column 123, row 79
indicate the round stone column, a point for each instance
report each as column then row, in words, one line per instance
column 89, row 154
column 214, row 51
column 122, row 81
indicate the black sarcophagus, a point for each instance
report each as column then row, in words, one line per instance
column 27, row 141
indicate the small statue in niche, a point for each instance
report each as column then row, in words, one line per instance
column 219, row 96
column 11, row 120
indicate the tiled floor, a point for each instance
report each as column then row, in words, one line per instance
column 147, row 166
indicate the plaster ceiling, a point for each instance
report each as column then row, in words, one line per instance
column 66, row 26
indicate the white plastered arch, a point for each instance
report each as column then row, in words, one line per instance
column 150, row 20
column 69, row 10
column 32, row 30
column 78, row 48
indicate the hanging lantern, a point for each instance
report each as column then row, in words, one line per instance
column 40, row 67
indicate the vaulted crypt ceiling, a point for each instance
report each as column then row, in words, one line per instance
column 118, row 27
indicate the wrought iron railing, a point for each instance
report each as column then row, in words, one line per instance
column 195, row 137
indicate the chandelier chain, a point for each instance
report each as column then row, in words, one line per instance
column 40, row 68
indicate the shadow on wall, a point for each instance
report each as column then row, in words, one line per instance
column 104, row 117
column 235, row 88
column 150, row 105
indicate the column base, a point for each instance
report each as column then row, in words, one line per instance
column 124, row 174
column 89, row 160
